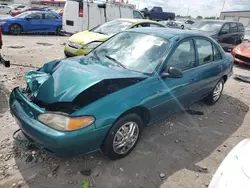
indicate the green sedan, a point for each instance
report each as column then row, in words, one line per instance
column 103, row 101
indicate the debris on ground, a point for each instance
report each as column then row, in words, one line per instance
column 162, row 175
column 242, row 78
column 16, row 47
column 86, row 172
column 44, row 44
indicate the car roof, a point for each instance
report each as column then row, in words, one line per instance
column 168, row 33
column 138, row 20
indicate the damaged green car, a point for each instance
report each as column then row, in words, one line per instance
column 102, row 101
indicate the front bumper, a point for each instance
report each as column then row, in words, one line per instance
column 63, row 144
column 240, row 58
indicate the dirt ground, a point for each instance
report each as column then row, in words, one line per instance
column 185, row 150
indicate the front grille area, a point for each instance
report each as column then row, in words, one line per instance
column 242, row 58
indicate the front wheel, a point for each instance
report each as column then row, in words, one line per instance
column 15, row 29
column 215, row 95
column 182, row 26
column 123, row 137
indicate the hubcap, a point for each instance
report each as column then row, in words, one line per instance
column 126, row 137
column 15, row 29
column 217, row 91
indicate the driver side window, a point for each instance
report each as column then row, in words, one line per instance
column 36, row 16
column 183, row 57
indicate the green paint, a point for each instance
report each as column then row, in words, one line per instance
column 85, row 184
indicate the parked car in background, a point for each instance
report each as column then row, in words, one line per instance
column 227, row 33
column 188, row 23
column 83, row 15
column 170, row 24
column 95, row 107
column 5, row 9
column 234, row 170
column 247, row 34
column 157, row 14
column 21, row 10
column 241, row 53
column 32, row 21
column 83, row 42
column 18, row 6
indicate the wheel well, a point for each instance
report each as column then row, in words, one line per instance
column 224, row 78
column 140, row 111
column 16, row 24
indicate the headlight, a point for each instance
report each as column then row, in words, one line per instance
column 92, row 45
column 74, row 45
column 237, row 48
column 65, row 123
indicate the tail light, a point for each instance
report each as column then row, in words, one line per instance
column 81, row 9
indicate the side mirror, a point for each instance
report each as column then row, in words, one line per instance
column 172, row 73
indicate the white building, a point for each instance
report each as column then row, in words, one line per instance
column 241, row 16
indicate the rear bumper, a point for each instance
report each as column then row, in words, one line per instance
column 63, row 144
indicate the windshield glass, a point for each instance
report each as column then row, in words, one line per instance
column 207, row 26
column 135, row 51
column 112, row 27
column 22, row 15
column 213, row 27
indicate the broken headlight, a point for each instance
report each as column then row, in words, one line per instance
column 65, row 123
column 92, row 45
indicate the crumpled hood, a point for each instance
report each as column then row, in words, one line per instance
column 63, row 81
column 86, row 37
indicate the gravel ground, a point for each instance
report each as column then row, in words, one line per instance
column 181, row 151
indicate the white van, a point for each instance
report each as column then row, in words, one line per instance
column 80, row 15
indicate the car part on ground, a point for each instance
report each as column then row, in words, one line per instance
column 242, row 78
column 2, row 60
column 103, row 100
column 234, row 170
column 83, row 42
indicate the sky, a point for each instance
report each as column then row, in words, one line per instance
column 194, row 7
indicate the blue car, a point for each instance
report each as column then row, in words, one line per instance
column 32, row 22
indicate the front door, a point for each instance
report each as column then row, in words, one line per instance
column 176, row 94
column 35, row 22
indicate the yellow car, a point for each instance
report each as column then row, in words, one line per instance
column 83, row 42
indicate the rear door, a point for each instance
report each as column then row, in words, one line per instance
column 210, row 65
column 73, row 16
column 235, row 36
column 51, row 22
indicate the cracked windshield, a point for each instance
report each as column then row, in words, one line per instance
column 124, row 93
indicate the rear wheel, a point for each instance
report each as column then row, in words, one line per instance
column 15, row 29
column 123, row 137
column 58, row 30
column 182, row 26
column 215, row 95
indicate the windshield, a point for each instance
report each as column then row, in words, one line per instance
column 207, row 26
column 22, row 15
column 135, row 51
column 112, row 27
column 211, row 27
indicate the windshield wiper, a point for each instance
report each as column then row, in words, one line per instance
column 117, row 62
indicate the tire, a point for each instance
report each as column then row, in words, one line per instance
column 211, row 99
column 58, row 30
column 15, row 29
column 182, row 26
column 124, row 123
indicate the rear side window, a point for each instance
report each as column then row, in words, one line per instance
column 36, row 16
column 205, row 51
column 50, row 17
column 217, row 55
column 241, row 27
column 233, row 27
